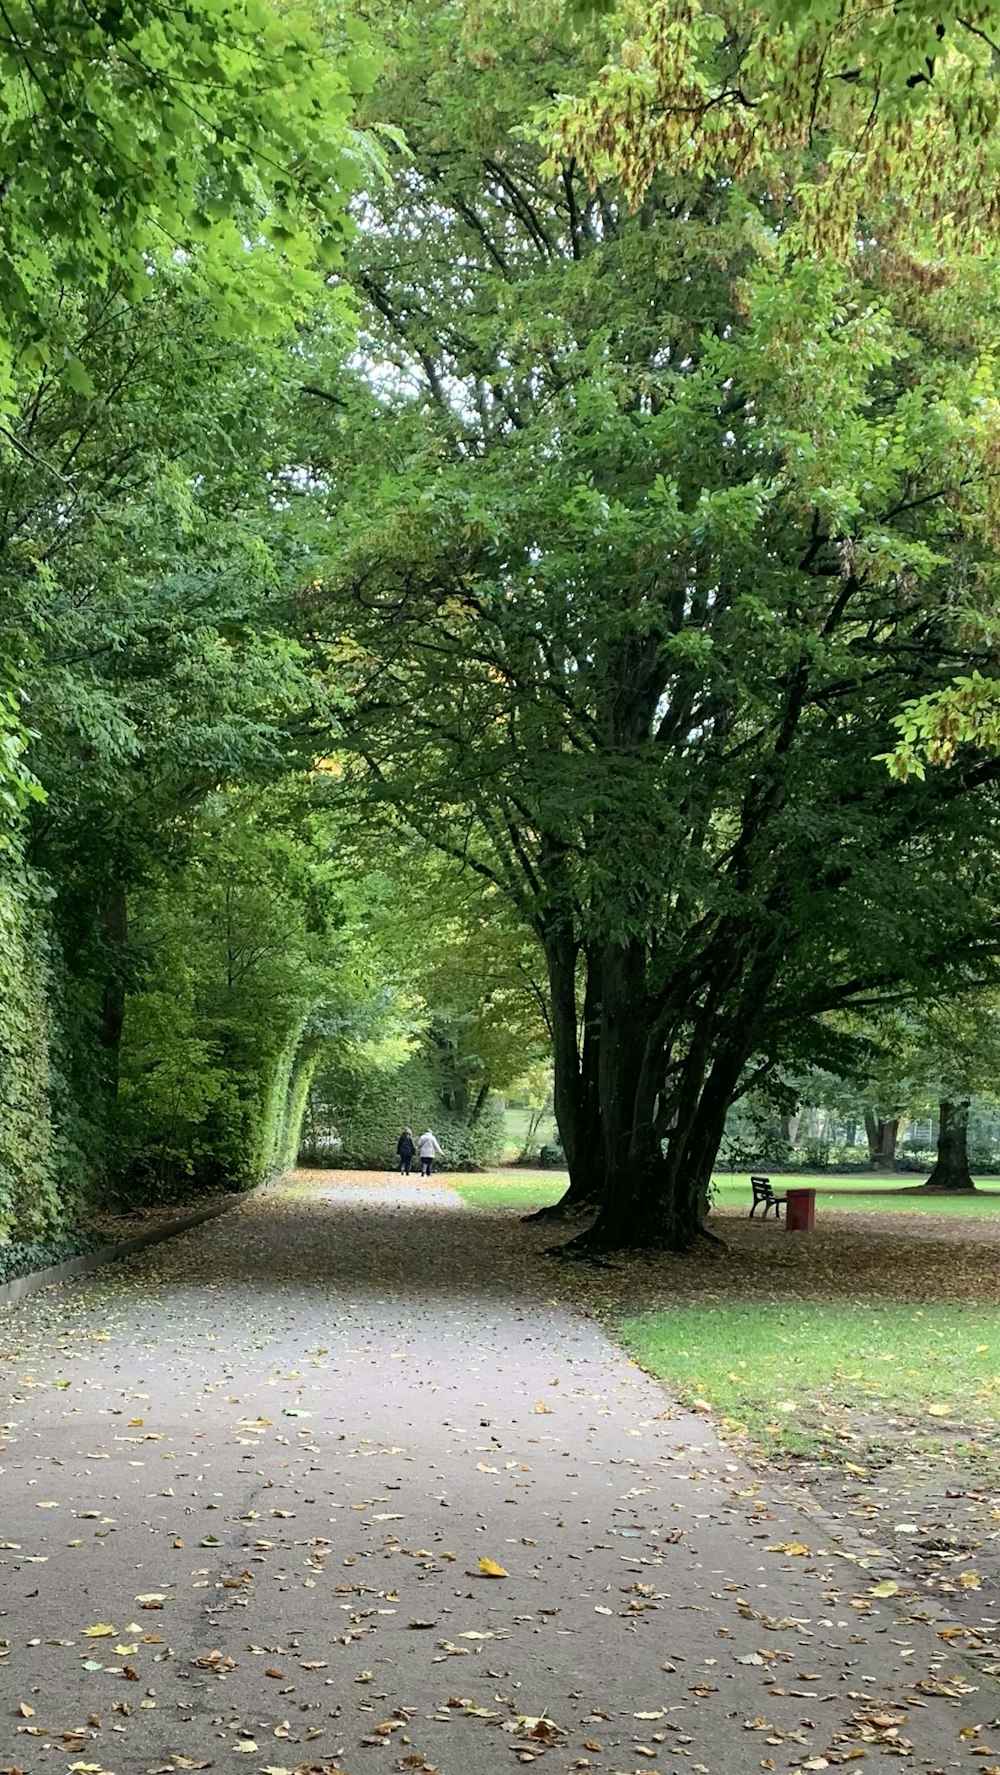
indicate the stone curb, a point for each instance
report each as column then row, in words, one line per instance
column 23, row 1286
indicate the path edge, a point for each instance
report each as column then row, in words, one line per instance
column 12, row 1293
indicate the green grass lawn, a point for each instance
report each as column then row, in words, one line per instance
column 530, row 1190
column 516, row 1132
column 511, row 1189
column 843, row 1373
column 797, row 1377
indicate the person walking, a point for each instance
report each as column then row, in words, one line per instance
column 405, row 1149
column 429, row 1150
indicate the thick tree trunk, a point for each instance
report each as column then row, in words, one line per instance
column 628, row 1087
column 656, row 1199
column 952, row 1168
column 576, row 1100
column 114, row 923
column 882, row 1137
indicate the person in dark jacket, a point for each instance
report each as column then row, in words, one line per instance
column 405, row 1149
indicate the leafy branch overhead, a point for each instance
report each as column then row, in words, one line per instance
column 872, row 121
column 137, row 133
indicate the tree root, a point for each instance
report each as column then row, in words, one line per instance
column 713, row 1238
column 561, row 1210
column 574, row 1252
column 584, row 1249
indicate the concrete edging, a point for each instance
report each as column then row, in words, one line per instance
column 23, row 1286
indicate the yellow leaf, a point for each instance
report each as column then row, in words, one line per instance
column 490, row 1569
column 886, row 1588
column 100, row 1630
column 793, row 1547
column 969, row 1580
column 543, row 1409
column 939, row 1410
column 46, row 1504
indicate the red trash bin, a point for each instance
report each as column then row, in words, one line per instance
column 800, row 1212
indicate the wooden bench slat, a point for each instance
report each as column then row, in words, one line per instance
column 762, row 1192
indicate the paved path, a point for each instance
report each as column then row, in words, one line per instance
column 271, row 1455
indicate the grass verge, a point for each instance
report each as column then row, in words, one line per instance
column 533, row 1189
column 830, row 1376
column 511, row 1190
column 842, row 1345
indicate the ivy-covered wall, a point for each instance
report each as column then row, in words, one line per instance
column 48, row 1139
column 210, row 1083
column 357, row 1109
column 211, row 1074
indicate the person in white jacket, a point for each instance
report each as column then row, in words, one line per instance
column 429, row 1150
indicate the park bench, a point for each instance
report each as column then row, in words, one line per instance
column 762, row 1192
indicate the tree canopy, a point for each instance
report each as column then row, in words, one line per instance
column 480, row 507
column 645, row 528
column 138, row 133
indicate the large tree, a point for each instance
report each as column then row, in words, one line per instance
column 652, row 528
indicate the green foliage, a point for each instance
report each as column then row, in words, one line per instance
column 359, row 1107
column 641, row 531
column 143, row 132
column 874, row 120
column 938, row 729
column 232, row 956
column 26, row 1257
column 28, row 1196
column 47, row 1138
column 18, row 785
column 175, row 187
column 604, row 566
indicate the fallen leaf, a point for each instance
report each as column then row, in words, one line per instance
column 489, row 1569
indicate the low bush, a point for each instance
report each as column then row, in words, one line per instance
column 24, row 1259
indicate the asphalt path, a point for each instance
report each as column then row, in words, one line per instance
column 343, row 1481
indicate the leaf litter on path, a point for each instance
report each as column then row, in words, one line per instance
column 602, row 1491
